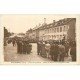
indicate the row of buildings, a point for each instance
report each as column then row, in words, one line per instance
column 56, row 30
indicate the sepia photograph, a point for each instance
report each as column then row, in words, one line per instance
column 39, row 38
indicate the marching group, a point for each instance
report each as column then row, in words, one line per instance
column 57, row 51
column 54, row 50
column 23, row 46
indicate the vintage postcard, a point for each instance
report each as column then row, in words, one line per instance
column 40, row 38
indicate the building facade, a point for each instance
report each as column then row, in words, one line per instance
column 55, row 31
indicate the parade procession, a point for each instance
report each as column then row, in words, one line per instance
column 54, row 41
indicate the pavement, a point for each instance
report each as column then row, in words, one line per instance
column 11, row 55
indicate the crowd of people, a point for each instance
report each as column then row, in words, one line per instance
column 57, row 50
column 54, row 50
column 23, row 46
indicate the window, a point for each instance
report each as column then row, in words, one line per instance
column 53, row 30
column 57, row 29
column 60, row 36
column 45, row 30
column 67, row 27
column 49, row 30
column 64, row 28
column 60, row 29
column 54, row 36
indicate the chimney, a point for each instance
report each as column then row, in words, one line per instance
column 44, row 20
column 53, row 21
column 39, row 24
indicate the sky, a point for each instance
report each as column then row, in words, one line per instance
column 19, row 23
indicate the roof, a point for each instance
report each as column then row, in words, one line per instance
column 55, row 24
column 58, row 23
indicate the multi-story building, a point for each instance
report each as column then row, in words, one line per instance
column 33, row 34
column 55, row 31
column 58, row 30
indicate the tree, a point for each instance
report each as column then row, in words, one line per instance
column 6, row 33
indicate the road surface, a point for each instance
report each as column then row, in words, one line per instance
column 11, row 55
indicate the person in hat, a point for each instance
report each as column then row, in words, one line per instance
column 47, row 48
column 55, row 51
column 38, row 47
column 28, row 47
column 61, row 51
column 13, row 42
column 52, row 50
column 43, row 53
column 24, row 47
column 21, row 47
column 66, row 48
column 73, row 51
column 18, row 46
